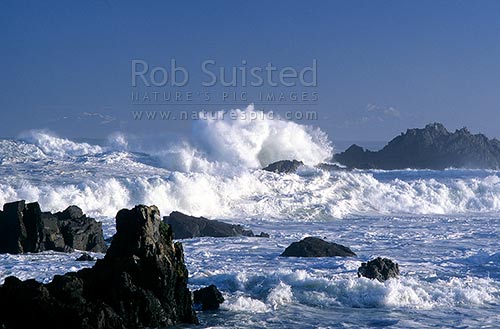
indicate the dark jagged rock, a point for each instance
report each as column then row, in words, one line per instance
column 72, row 212
column 140, row 283
column 83, row 234
column 25, row 228
column 50, row 237
column 85, row 258
column 432, row 147
column 186, row 227
column 379, row 268
column 208, row 298
column 284, row 166
column 13, row 233
column 316, row 247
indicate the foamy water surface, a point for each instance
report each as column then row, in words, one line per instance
column 440, row 226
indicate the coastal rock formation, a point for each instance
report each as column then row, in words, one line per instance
column 25, row 228
column 379, row 268
column 208, row 298
column 284, row 166
column 316, row 247
column 141, row 282
column 432, row 147
column 186, row 227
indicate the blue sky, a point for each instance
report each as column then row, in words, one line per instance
column 383, row 66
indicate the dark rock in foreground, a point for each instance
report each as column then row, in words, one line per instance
column 379, row 268
column 85, row 258
column 316, row 247
column 141, row 282
column 432, row 147
column 284, row 166
column 186, row 227
column 25, row 228
column 208, row 298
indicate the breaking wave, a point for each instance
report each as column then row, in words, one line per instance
column 264, row 195
column 283, row 287
column 51, row 145
column 216, row 173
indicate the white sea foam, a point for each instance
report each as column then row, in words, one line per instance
column 263, row 195
column 280, row 295
column 449, row 280
column 247, row 194
column 255, row 139
column 216, row 173
column 52, row 145
column 90, row 196
column 413, row 293
column 12, row 152
column 348, row 291
column 42, row 266
column 245, row 304
column 229, row 140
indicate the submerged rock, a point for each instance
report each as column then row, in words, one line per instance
column 332, row 167
column 85, row 258
column 379, row 268
column 141, row 282
column 284, row 166
column 316, row 247
column 208, row 298
column 432, row 147
column 185, row 227
column 25, row 228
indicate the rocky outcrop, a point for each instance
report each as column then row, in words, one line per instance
column 284, row 166
column 141, row 282
column 432, row 147
column 186, row 227
column 380, row 269
column 316, row 247
column 25, row 228
column 208, row 298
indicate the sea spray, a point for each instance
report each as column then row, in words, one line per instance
column 216, row 173
column 255, row 139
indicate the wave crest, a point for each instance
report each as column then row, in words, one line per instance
column 52, row 145
column 255, row 139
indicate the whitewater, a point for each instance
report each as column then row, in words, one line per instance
column 440, row 226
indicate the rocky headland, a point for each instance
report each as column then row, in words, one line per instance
column 432, row 147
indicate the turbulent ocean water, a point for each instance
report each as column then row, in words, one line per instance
column 442, row 227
